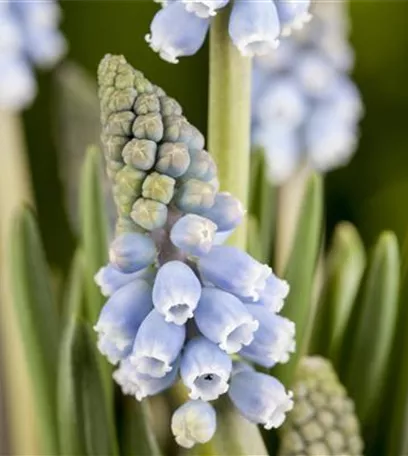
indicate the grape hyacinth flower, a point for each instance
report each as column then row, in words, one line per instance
column 255, row 26
column 180, row 304
column 305, row 107
column 29, row 37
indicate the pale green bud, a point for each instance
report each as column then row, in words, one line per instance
column 112, row 168
column 140, row 153
column 149, row 214
column 202, row 166
column 127, row 225
column 147, row 103
column 149, row 126
column 170, row 107
column 108, row 69
column 142, row 85
column 121, row 100
column 173, row 159
column 158, row 187
column 120, row 123
column 129, row 181
column 113, row 146
column 159, row 91
column 195, row 196
column 178, row 129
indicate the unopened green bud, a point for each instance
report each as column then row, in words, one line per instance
column 173, row 159
column 178, row 129
column 159, row 91
column 170, row 107
column 113, row 146
column 149, row 126
column 121, row 100
column 195, row 196
column 158, row 187
column 108, row 69
column 127, row 225
column 112, row 168
column 149, row 214
column 202, row 166
column 129, row 181
column 142, row 85
column 140, row 153
column 120, row 123
column 322, row 421
column 147, row 103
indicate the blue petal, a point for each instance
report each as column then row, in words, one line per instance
column 227, row 212
column 223, row 319
column 274, row 340
column 174, row 32
column 176, row 292
column 193, row 234
column 260, row 398
column 293, row 14
column 205, row 369
column 131, row 252
column 249, row 276
column 254, row 27
column 123, row 314
column 193, row 422
column 204, row 8
column 157, row 345
column 275, row 293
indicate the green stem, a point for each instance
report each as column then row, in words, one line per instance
column 229, row 115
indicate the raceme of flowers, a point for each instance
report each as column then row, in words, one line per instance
column 306, row 109
column 28, row 36
column 255, row 26
column 180, row 303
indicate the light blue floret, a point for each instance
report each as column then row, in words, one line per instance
column 260, row 398
column 157, row 345
column 274, row 295
column 227, row 212
column 205, row 369
column 194, row 422
column 223, row 319
column 193, row 234
column 131, row 252
column 176, row 292
column 292, row 14
column 249, row 277
column 174, row 32
column 122, row 316
column 273, row 341
column 204, row 8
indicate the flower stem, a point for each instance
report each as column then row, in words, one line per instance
column 229, row 115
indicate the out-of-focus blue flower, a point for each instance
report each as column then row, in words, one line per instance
column 193, row 422
column 131, row 252
column 223, row 319
column 293, row 14
column 157, row 345
column 305, row 107
column 142, row 385
column 205, row 369
column 28, row 36
column 249, row 277
column 254, row 27
column 174, row 32
column 273, row 341
column 262, row 399
column 274, row 295
column 193, row 234
column 176, row 292
column 121, row 318
column 204, row 8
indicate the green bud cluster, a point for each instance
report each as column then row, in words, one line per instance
column 323, row 421
column 155, row 158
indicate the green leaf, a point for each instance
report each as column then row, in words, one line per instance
column 344, row 270
column 300, row 271
column 370, row 336
column 254, row 247
column 94, row 228
column 85, row 424
column 38, row 319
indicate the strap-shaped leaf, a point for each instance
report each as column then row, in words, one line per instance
column 344, row 270
column 300, row 271
column 94, row 228
column 85, row 426
column 38, row 318
column 370, row 336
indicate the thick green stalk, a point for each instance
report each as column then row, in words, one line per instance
column 229, row 114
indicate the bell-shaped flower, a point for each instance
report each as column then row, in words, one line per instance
column 142, row 385
column 193, row 422
column 131, row 252
column 175, row 32
column 193, row 234
column 274, row 340
column 109, row 279
column 260, row 398
column 254, row 27
column 274, row 295
column 235, row 271
column 227, row 212
column 204, row 8
column 293, row 14
column 111, row 351
column 157, row 345
column 122, row 316
column 223, row 319
column 176, row 292
column 205, row 369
